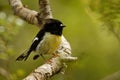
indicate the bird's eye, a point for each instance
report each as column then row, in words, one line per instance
column 61, row 24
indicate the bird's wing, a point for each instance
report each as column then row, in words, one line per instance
column 37, row 40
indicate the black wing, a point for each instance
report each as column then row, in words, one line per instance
column 37, row 40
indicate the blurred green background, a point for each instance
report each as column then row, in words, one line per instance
column 92, row 30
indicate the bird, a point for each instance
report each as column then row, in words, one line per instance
column 47, row 40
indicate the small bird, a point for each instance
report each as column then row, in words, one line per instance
column 46, row 41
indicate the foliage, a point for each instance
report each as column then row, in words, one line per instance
column 109, row 14
column 9, row 28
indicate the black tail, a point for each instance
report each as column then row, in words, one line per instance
column 24, row 56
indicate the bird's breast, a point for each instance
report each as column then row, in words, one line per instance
column 49, row 43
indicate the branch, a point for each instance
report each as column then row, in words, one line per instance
column 45, row 71
column 24, row 13
column 55, row 64
column 5, row 73
column 114, row 76
column 45, row 10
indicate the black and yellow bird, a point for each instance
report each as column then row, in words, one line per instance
column 46, row 41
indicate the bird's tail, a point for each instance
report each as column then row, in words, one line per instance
column 24, row 56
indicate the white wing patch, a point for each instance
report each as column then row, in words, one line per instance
column 36, row 38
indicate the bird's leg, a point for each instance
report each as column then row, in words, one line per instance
column 42, row 57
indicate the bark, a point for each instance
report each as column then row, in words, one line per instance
column 114, row 76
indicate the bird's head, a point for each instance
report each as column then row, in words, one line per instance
column 53, row 26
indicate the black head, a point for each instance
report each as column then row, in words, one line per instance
column 53, row 26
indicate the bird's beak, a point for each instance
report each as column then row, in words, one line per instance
column 63, row 26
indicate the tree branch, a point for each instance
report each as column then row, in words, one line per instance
column 55, row 64
column 24, row 13
column 47, row 70
column 45, row 10
column 114, row 76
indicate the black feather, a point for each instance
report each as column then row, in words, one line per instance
column 36, row 42
column 25, row 55
column 35, row 57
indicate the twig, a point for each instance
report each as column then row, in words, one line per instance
column 5, row 73
column 55, row 64
column 114, row 76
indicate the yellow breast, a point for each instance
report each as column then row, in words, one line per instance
column 49, row 44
